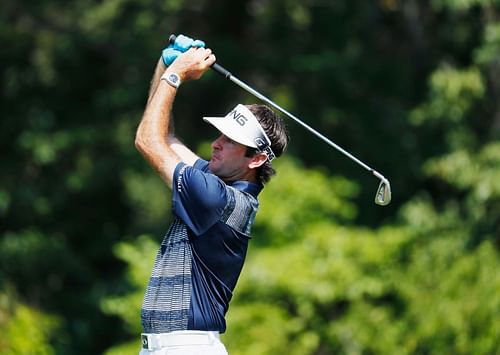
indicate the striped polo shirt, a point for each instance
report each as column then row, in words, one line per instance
column 202, row 253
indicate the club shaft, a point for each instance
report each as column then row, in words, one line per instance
column 383, row 196
column 300, row 122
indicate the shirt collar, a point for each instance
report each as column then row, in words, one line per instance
column 247, row 186
column 243, row 185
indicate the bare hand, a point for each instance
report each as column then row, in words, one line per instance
column 193, row 63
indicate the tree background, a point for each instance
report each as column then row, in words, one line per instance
column 411, row 87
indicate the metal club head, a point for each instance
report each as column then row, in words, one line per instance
column 383, row 196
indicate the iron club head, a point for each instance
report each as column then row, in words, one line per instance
column 383, row 196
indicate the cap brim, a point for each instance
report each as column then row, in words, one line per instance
column 231, row 129
column 242, row 126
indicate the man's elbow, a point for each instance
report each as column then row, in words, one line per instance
column 151, row 148
column 139, row 143
column 144, row 144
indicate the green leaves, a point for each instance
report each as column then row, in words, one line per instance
column 325, row 282
column 478, row 172
column 139, row 257
column 452, row 95
column 19, row 336
column 411, row 87
column 297, row 197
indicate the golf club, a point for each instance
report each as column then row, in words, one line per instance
column 383, row 195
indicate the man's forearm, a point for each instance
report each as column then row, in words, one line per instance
column 151, row 138
column 155, row 80
column 159, row 70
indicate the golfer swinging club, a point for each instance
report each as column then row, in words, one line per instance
column 214, row 205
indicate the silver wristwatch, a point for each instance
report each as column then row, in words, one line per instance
column 172, row 78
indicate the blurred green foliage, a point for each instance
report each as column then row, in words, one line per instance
column 25, row 330
column 410, row 87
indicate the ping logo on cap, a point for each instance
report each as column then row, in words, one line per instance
column 238, row 117
column 260, row 143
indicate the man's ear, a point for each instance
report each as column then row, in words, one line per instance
column 257, row 160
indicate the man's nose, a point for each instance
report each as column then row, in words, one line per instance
column 216, row 144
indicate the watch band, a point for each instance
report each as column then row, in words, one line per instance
column 172, row 78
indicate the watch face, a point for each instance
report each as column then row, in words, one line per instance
column 173, row 78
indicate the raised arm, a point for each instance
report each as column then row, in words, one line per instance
column 154, row 138
column 159, row 70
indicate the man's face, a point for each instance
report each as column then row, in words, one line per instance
column 228, row 160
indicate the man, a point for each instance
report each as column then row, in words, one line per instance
column 214, row 204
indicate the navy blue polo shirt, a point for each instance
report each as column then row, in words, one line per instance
column 217, row 218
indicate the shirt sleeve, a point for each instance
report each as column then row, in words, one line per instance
column 199, row 197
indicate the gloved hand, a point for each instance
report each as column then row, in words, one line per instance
column 182, row 43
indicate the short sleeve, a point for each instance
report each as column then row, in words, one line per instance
column 199, row 197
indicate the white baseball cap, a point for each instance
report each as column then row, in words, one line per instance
column 242, row 126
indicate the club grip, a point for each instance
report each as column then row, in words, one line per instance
column 216, row 67
column 221, row 70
